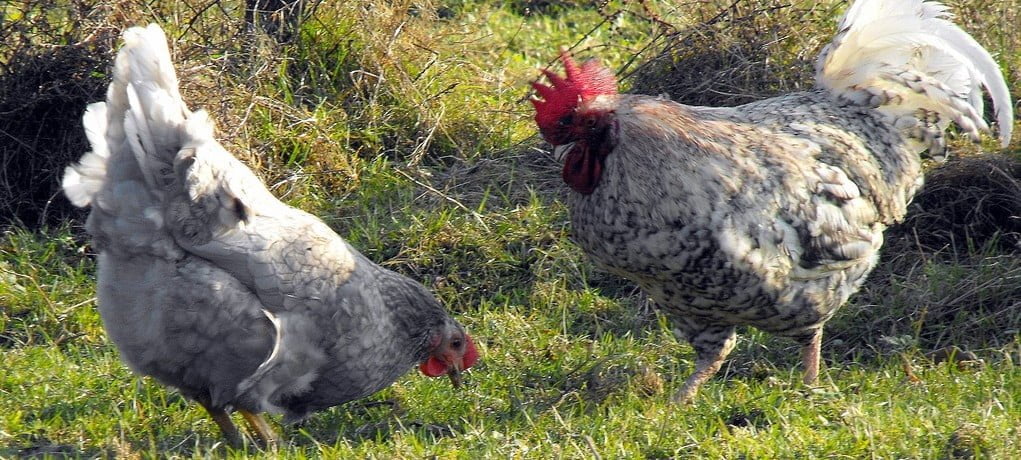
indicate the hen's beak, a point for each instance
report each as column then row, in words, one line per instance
column 455, row 375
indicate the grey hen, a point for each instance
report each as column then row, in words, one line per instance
column 770, row 214
column 209, row 284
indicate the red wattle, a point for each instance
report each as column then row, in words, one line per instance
column 582, row 170
column 433, row 367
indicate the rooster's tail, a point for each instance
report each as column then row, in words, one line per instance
column 908, row 60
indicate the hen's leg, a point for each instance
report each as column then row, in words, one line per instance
column 222, row 419
column 712, row 344
column 261, row 428
column 810, row 352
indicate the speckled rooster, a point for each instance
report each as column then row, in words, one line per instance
column 770, row 214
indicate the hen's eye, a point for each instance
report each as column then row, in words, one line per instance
column 566, row 120
column 456, row 343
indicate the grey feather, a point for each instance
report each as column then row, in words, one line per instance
column 210, row 284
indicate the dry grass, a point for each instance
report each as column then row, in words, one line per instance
column 949, row 274
column 49, row 71
column 734, row 52
column 738, row 53
column 970, row 203
column 53, row 63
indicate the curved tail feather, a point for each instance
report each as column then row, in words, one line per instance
column 905, row 58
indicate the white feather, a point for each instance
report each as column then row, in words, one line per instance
column 83, row 180
column 144, row 109
column 908, row 49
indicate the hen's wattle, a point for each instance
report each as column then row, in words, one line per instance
column 211, row 285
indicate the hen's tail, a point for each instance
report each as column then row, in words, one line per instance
column 83, row 180
column 908, row 60
column 143, row 118
column 155, row 167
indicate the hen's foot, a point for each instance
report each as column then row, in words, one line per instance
column 222, row 419
column 261, row 428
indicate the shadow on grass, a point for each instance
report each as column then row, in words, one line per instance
column 44, row 448
column 372, row 420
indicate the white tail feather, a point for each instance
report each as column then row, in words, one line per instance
column 143, row 113
column 906, row 58
column 83, row 180
column 156, row 114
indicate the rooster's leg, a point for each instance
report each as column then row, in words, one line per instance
column 261, row 428
column 222, row 419
column 712, row 345
column 810, row 351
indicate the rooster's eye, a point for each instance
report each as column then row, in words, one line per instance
column 566, row 120
column 456, row 343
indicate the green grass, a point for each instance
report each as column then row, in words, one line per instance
column 418, row 148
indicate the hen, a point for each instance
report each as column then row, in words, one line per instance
column 209, row 284
column 770, row 214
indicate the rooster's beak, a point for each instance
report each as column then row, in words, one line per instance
column 455, row 375
column 560, row 151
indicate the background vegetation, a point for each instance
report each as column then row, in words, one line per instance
column 404, row 125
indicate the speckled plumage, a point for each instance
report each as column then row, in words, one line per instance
column 770, row 214
column 724, row 219
column 211, row 285
column 757, row 215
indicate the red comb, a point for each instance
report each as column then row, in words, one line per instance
column 589, row 80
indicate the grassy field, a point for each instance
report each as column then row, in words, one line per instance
column 404, row 125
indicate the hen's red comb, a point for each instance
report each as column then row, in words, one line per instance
column 589, row 80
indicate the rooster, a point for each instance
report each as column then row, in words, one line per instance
column 770, row 214
column 209, row 284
